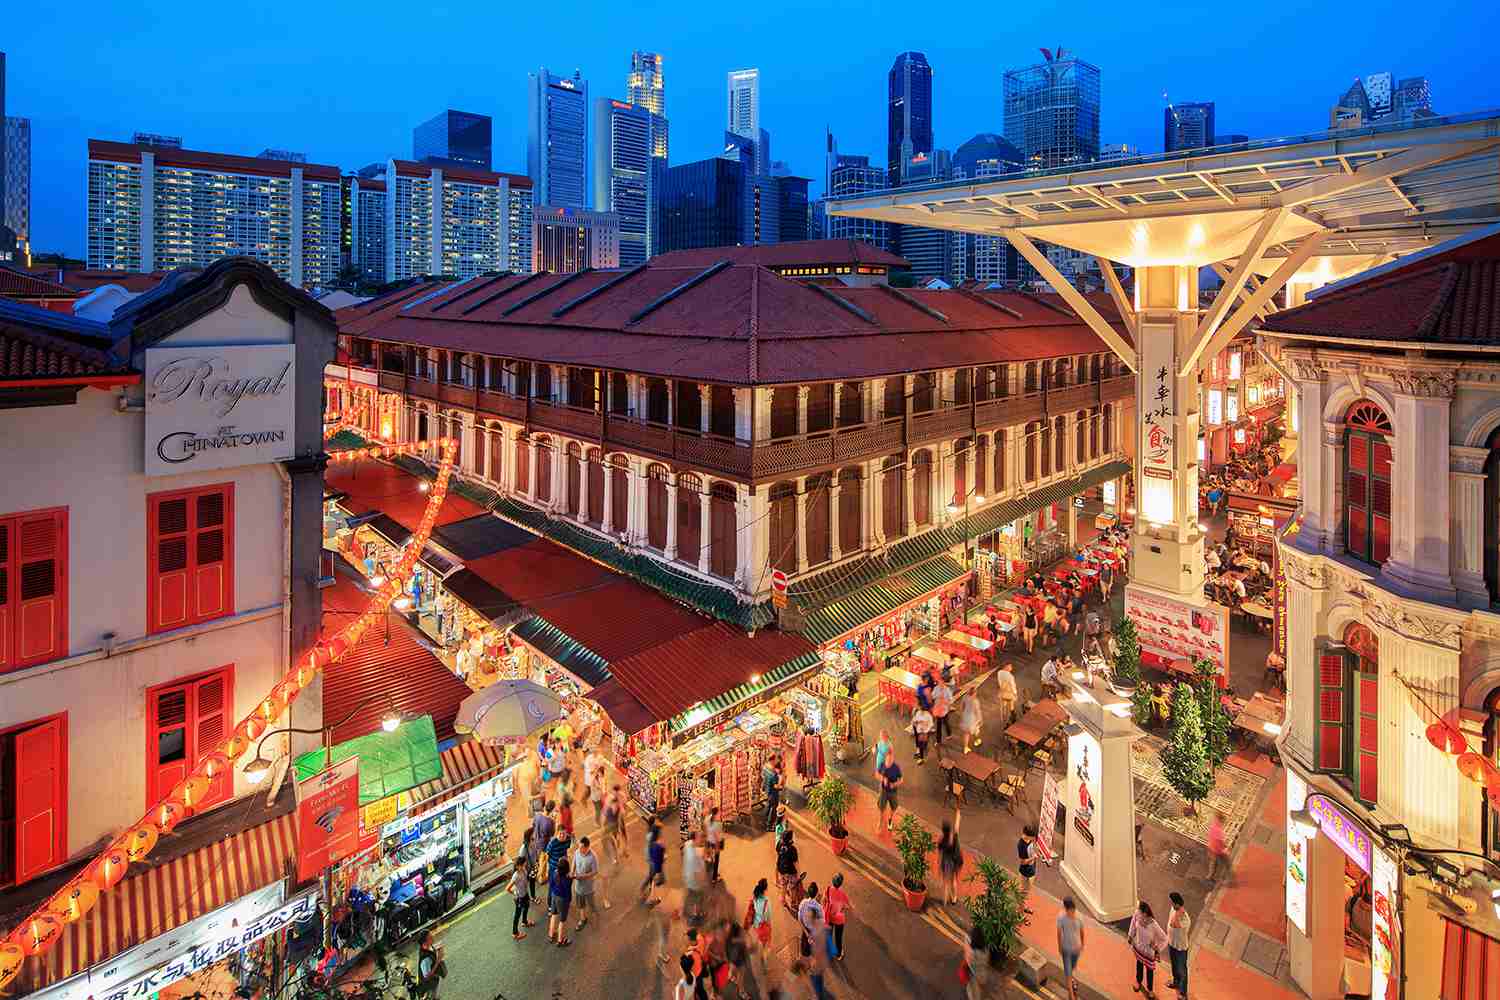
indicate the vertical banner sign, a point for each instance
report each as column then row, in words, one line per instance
column 1384, row 976
column 1048, row 821
column 1157, row 429
column 1296, row 853
column 327, row 818
column 1278, row 574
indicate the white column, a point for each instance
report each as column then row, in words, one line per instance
column 639, row 487
column 1420, row 552
column 671, row 517
column 802, row 393
column 762, row 404
column 833, row 516
column 875, row 502
column 754, row 539
column 705, row 407
column 946, row 486
column 705, row 526
column 609, row 496
column 583, row 488
column 874, row 399
column 907, row 475
column 744, row 399
column 801, row 533
column 1466, row 524
column 531, row 457
column 559, row 477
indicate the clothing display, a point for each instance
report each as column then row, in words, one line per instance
column 811, row 764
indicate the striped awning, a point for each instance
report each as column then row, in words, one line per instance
column 149, row 904
column 895, row 592
column 464, row 765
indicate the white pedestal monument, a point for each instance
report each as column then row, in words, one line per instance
column 1099, row 843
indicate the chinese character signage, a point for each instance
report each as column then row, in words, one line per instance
column 1158, row 409
column 327, row 818
column 1343, row 831
column 1279, row 607
column 1048, row 823
column 1296, row 853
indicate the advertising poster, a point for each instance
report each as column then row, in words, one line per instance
column 1157, row 435
column 327, row 818
column 1296, row 854
column 1048, row 823
column 1169, row 629
column 1084, row 857
column 1386, row 943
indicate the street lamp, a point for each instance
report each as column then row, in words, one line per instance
column 257, row 769
column 954, row 508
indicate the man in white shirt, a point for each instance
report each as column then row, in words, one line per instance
column 593, row 780
column 1005, row 680
column 1239, row 587
column 694, row 879
column 1049, row 677
column 942, row 704
column 1212, row 558
column 1178, row 925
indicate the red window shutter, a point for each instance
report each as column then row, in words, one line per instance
column 169, row 738
column 41, row 541
column 1359, row 456
column 213, row 701
column 191, row 557
column 1382, row 466
column 7, row 657
column 211, row 564
column 40, row 806
column 1367, row 737
column 1331, row 706
column 169, row 557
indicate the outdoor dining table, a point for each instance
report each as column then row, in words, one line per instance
column 930, row 654
column 1260, row 712
column 978, row 770
column 1037, row 724
column 1257, row 609
column 975, row 638
column 899, row 687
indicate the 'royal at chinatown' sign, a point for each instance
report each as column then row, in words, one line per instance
column 218, row 407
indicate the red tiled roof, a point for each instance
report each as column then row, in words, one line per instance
column 16, row 284
column 674, row 675
column 801, row 253
column 193, row 159
column 1443, row 298
column 392, row 491
column 86, row 279
column 415, row 680
column 741, row 324
column 32, row 348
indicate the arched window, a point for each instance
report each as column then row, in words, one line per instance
column 921, row 487
column 783, row 411
column 1348, row 711
column 1367, row 482
column 819, row 508
column 783, row 526
column 1032, row 442
column 892, row 497
column 723, row 555
column 1080, row 432
column 1046, row 448
column 574, row 457
column 1060, row 444
column 656, row 506
column 961, row 470
column 851, row 504
column 619, row 493
column 523, row 464
column 981, row 466
column 596, row 488
column 894, row 402
column 689, row 517
column 1000, row 470
column 1094, row 432
column 497, row 454
column 544, row 469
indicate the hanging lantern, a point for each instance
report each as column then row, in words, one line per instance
column 1447, row 739
column 306, row 674
column 236, row 745
column 214, row 765
column 1471, row 766
column 111, row 867
column 288, row 690
column 74, row 901
column 140, row 840
column 192, row 790
column 271, row 707
column 252, row 727
column 168, row 814
column 11, row 957
column 39, row 932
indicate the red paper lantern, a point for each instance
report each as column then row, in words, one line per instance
column 252, row 727
column 11, row 957
column 271, row 707
column 306, row 674
column 169, row 814
column 1471, row 765
column 111, row 867
column 39, row 932
column 214, row 765
column 74, row 901
column 1442, row 735
column 140, row 840
column 192, row 790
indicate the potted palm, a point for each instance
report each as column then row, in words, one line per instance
column 831, row 801
column 915, row 843
column 1125, row 675
column 998, row 911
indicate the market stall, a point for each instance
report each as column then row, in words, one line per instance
column 1254, row 520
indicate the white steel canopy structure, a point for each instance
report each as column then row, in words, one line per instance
column 1266, row 215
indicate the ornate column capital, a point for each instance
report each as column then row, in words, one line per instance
column 1467, row 461
column 1431, row 383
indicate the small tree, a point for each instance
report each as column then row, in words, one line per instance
column 1211, row 712
column 1142, row 708
column 1185, row 760
column 914, row 842
column 1127, row 667
column 999, row 911
column 830, row 800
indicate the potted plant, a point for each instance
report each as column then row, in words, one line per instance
column 831, row 801
column 916, row 843
column 1125, row 676
column 999, row 910
column 1185, row 761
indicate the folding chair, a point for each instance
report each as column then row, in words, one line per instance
column 955, row 792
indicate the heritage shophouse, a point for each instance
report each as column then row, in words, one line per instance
column 159, row 541
column 1391, row 585
column 726, row 420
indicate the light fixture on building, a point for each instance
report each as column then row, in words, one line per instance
column 391, row 721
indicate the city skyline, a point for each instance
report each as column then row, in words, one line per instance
column 345, row 126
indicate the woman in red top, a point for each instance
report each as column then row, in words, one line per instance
column 565, row 816
column 836, row 907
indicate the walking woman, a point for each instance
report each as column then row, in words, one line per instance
column 1146, row 939
column 559, row 902
column 950, row 857
column 759, row 923
column 836, row 907
column 520, row 890
column 1028, row 629
column 970, row 720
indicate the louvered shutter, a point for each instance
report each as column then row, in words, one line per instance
column 41, row 581
column 211, row 555
column 1367, row 736
column 1331, row 709
column 724, row 553
column 212, row 702
column 960, row 477
column 1380, row 502
column 7, row 624
column 39, row 799
column 169, row 571
column 170, row 733
column 596, row 491
column 689, row 520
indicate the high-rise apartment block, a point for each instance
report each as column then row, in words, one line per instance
column 743, row 86
column 1052, row 110
column 565, row 240
column 1188, row 125
column 976, row 257
column 16, row 163
column 453, row 138
column 7, row 236
column 452, row 220
column 626, row 174
column 908, row 114
column 645, row 88
column 929, row 251
column 367, row 228
column 155, row 208
column 845, row 176
column 1379, row 96
column 557, row 139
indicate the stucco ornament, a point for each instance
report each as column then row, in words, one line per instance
column 1424, row 381
column 1310, row 573
column 1392, row 615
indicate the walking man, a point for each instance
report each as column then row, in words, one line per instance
column 890, row 780
column 1070, row 943
column 942, row 704
column 1026, row 852
column 694, row 879
column 713, row 835
column 1005, row 680
column 1178, row 925
column 585, row 871
column 593, row 780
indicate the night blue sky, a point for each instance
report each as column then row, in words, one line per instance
column 345, row 82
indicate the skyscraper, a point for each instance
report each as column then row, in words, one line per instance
column 845, row 176
column 1188, row 125
column 909, row 114
column 7, row 238
column 565, row 240
column 367, row 228
column 557, row 140
column 1378, row 88
column 453, row 138
column 1412, row 98
column 976, row 256
column 1052, row 110
column 702, row 204
column 626, row 174
column 930, row 251
column 646, row 88
column 744, row 108
column 17, row 167
column 1374, row 97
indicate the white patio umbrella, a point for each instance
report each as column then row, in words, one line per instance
column 508, row 712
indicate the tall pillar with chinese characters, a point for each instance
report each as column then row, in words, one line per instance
column 1167, row 555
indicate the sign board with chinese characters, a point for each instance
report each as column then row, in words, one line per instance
column 1169, row 629
column 218, row 407
column 1386, row 906
column 147, row 968
column 1047, row 825
column 1347, row 833
column 327, row 818
column 1296, row 853
column 1158, row 429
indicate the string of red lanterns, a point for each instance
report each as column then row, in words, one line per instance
column 42, row 929
column 1478, row 768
